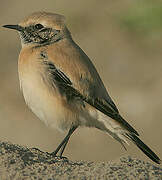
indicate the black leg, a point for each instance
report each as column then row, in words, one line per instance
column 63, row 144
column 63, row 147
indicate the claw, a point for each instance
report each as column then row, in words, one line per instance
column 36, row 149
column 53, row 154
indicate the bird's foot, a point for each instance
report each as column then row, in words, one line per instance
column 54, row 154
column 36, row 149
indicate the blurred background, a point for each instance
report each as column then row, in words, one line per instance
column 124, row 41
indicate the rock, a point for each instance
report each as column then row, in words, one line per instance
column 21, row 163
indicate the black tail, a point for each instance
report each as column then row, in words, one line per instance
column 144, row 148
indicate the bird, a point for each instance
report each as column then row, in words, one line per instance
column 61, row 85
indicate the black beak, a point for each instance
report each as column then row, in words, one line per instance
column 16, row 27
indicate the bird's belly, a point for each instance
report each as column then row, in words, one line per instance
column 46, row 105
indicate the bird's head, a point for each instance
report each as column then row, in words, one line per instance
column 41, row 28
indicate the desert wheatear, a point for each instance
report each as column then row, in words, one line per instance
column 61, row 85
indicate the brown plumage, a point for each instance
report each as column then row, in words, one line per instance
column 61, row 85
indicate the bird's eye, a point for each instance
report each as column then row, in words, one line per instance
column 39, row 26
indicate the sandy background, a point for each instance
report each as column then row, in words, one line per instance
column 123, row 39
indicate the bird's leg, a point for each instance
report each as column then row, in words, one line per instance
column 63, row 147
column 63, row 144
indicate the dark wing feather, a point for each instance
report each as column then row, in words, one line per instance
column 56, row 74
column 105, row 106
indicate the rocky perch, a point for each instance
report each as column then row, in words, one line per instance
column 21, row 163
